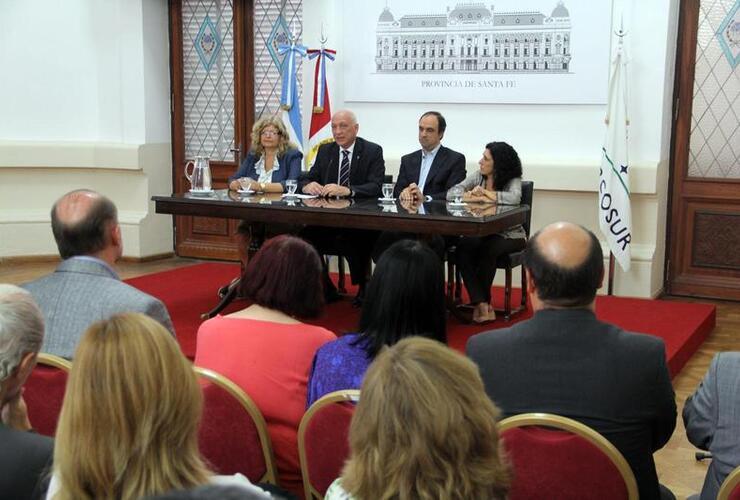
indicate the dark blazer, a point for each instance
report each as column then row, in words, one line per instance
column 711, row 419
column 366, row 170
column 448, row 169
column 568, row 363
column 24, row 459
column 290, row 167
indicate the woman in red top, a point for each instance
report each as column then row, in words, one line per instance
column 265, row 350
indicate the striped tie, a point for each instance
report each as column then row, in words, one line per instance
column 344, row 169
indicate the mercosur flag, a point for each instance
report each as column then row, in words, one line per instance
column 615, row 219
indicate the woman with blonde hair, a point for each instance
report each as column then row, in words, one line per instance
column 423, row 429
column 271, row 161
column 129, row 421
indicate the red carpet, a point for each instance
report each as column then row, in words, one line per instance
column 190, row 291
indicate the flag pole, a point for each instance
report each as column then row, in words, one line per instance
column 610, row 290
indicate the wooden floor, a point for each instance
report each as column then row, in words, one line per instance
column 677, row 468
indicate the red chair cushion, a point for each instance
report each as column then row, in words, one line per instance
column 735, row 494
column 326, row 441
column 553, row 464
column 228, row 437
column 44, row 394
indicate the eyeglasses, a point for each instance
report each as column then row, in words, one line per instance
column 269, row 133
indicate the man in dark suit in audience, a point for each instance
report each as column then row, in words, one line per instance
column 567, row 362
column 349, row 167
column 24, row 455
column 711, row 419
column 425, row 175
column 85, row 288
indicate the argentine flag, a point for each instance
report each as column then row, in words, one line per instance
column 289, row 98
column 615, row 218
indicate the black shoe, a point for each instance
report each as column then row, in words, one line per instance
column 359, row 298
column 331, row 295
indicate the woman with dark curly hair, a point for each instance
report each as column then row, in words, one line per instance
column 499, row 180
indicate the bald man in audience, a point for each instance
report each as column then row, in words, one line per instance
column 567, row 362
column 85, row 288
column 24, row 455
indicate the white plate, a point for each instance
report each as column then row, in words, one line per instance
column 201, row 191
column 386, row 200
column 246, row 191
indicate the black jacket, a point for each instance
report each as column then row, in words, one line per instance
column 448, row 169
column 568, row 363
column 25, row 460
column 367, row 168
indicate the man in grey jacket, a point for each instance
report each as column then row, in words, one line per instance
column 711, row 419
column 85, row 288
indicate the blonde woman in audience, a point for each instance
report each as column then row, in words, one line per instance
column 129, row 421
column 423, row 429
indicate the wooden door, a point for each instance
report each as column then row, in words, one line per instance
column 211, row 73
column 704, row 237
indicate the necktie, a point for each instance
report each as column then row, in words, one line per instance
column 344, row 169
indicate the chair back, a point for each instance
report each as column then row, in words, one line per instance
column 323, row 440
column 233, row 433
column 730, row 489
column 43, row 392
column 527, row 196
column 558, row 458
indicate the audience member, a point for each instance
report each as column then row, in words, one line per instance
column 348, row 167
column 711, row 419
column 567, row 362
column 498, row 180
column 425, row 175
column 211, row 492
column 24, row 455
column 271, row 161
column 265, row 350
column 85, row 288
column 405, row 297
column 129, row 421
column 423, row 429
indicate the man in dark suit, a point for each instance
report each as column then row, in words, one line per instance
column 24, row 455
column 348, row 167
column 425, row 175
column 567, row 362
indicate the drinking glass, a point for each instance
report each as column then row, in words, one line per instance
column 388, row 190
column 291, row 186
column 245, row 183
column 457, row 193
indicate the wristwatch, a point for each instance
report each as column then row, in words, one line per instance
column 262, row 187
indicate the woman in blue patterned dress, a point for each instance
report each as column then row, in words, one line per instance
column 405, row 297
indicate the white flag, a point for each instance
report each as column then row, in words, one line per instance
column 615, row 218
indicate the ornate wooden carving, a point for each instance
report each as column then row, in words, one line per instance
column 716, row 240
